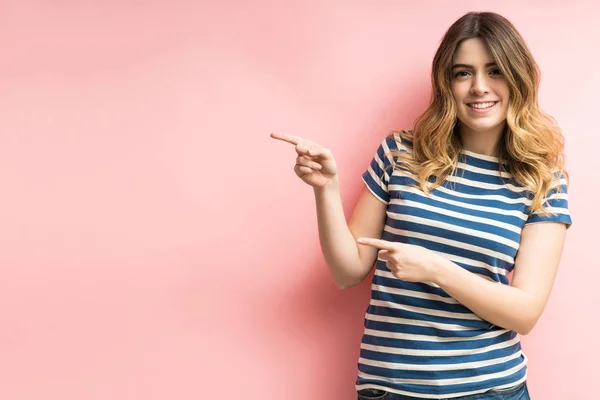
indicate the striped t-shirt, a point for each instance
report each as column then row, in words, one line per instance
column 418, row 340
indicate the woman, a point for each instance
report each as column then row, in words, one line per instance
column 449, row 210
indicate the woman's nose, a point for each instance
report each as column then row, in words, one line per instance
column 479, row 84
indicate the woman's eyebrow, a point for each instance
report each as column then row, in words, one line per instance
column 491, row 64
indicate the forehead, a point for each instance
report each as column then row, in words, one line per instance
column 473, row 52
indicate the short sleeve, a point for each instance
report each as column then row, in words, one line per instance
column 557, row 202
column 377, row 175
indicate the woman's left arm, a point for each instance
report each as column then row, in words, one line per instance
column 518, row 306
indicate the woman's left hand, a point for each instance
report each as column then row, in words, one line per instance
column 407, row 262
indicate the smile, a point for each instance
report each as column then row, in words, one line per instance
column 482, row 106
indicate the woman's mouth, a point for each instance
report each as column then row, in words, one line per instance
column 481, row 107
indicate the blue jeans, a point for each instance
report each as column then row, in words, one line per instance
column 518, row 392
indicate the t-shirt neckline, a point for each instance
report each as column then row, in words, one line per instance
column 480, row 156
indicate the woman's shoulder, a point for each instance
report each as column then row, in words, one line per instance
column 401, row 140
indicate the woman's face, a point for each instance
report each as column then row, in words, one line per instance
column 479, row 89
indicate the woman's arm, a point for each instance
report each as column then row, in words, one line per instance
column 518, row 306
column 348, row 263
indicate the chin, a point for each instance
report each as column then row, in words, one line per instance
column 479, row 127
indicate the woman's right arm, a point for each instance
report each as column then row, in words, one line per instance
column 348, row 263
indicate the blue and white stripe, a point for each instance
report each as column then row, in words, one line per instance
column 419, row 341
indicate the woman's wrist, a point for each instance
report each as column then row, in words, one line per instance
column 442, row 270
column 332, row 185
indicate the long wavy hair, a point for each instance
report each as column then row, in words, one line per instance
column 532, row 145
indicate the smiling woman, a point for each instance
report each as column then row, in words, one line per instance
column 481, row 95
column 483, row 59
column 449, row 210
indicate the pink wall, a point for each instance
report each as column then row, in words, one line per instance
column 156, row 244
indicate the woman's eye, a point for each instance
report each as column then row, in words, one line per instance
column 496, row 72
column 460, row 74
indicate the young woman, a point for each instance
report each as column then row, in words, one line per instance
column 449, row 210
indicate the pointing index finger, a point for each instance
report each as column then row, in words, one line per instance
column 377, row 243
column 286, row 138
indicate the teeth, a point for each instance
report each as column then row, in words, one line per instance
column 482, row 105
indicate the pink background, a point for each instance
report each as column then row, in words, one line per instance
column 156, row 244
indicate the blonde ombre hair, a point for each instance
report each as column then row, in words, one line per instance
column 532, row 144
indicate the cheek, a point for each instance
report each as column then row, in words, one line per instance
column 457, row 94
column 503, row 90
column 455, row 89
column 505, row 93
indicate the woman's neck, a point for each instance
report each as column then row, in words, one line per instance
column 482, row 142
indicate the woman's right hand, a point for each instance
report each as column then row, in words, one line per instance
column 315, row 164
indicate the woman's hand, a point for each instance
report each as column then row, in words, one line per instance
column 315, row 164
column 407, row 262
